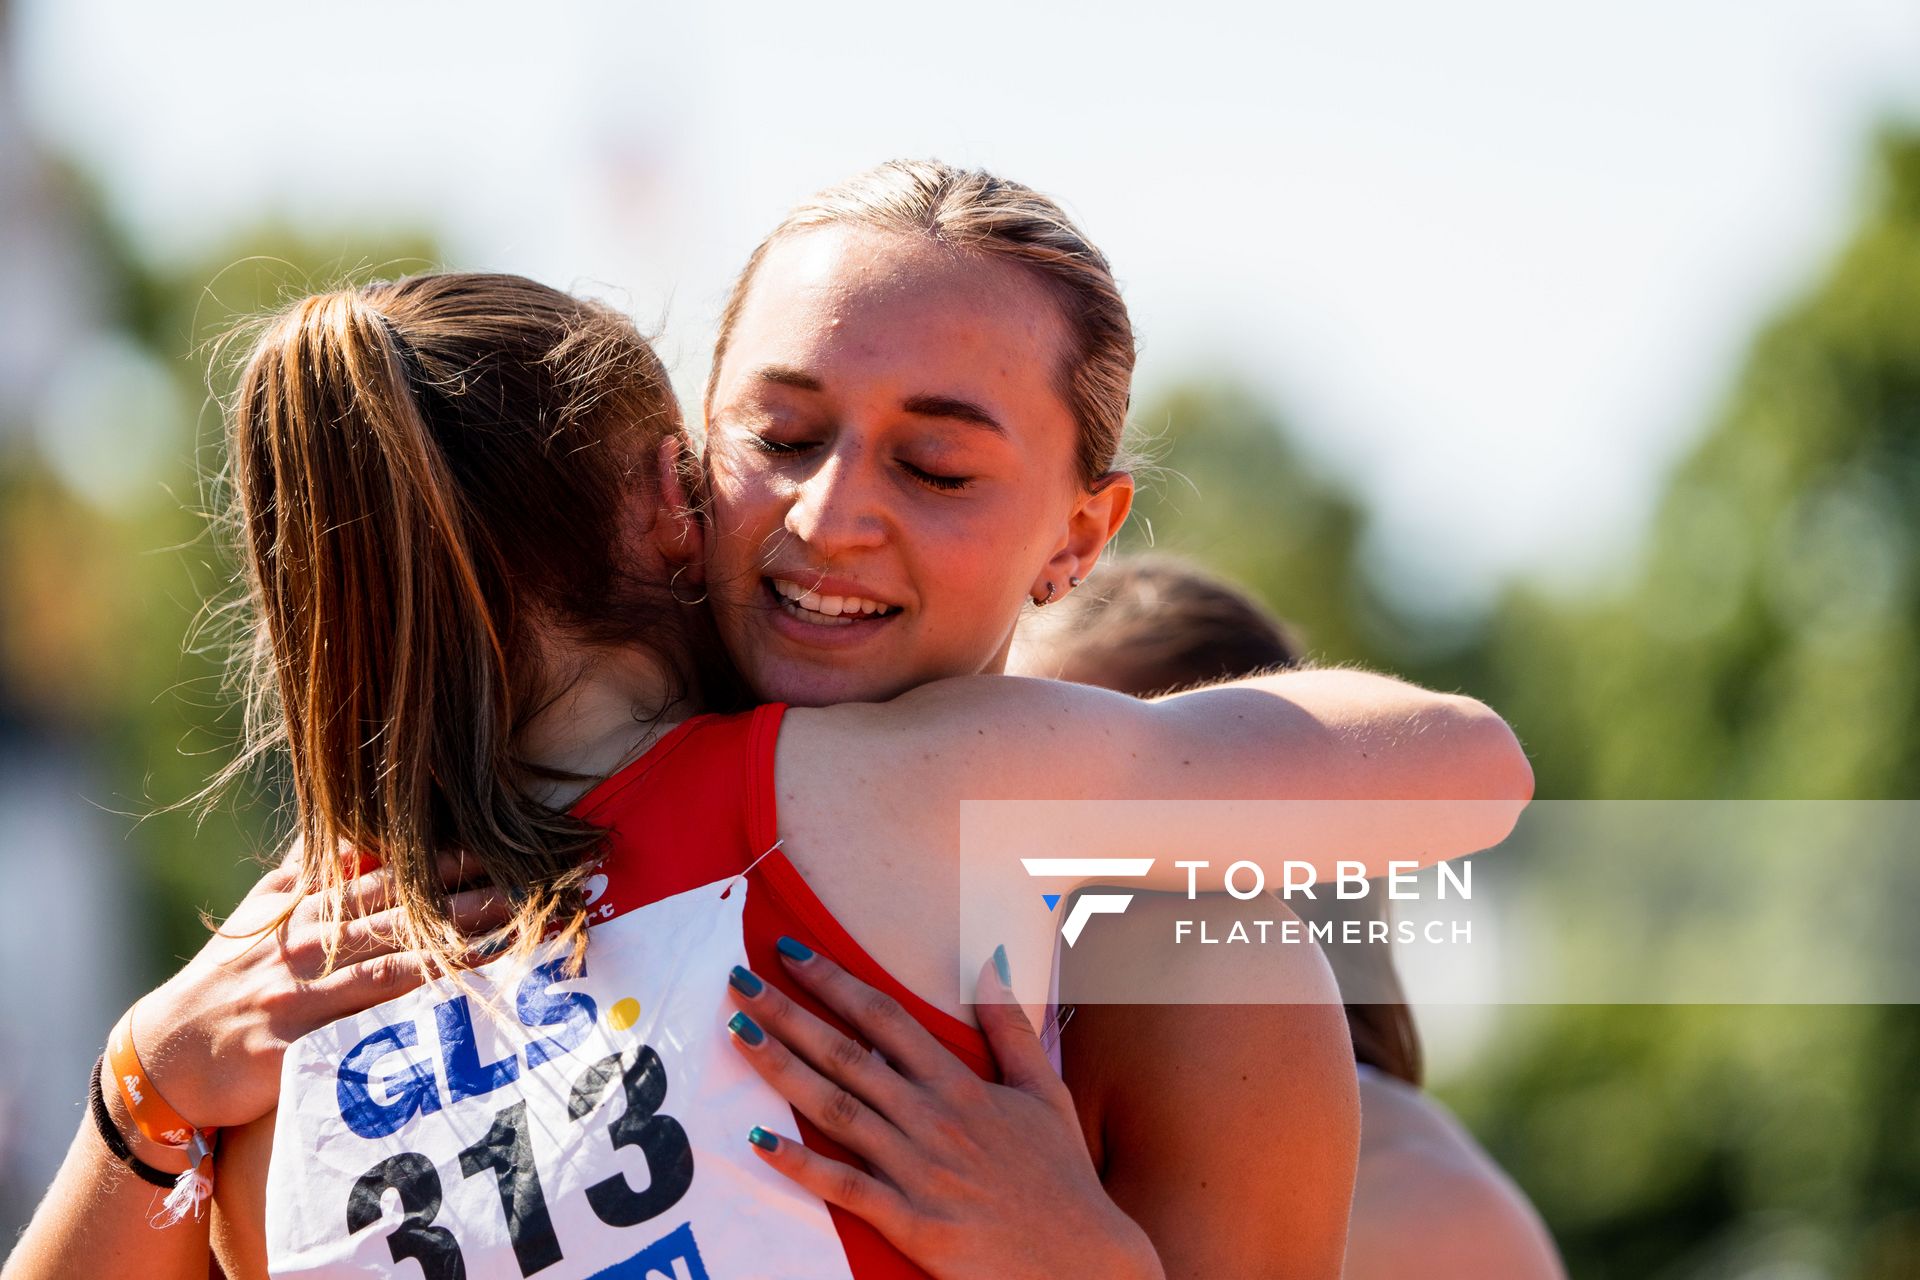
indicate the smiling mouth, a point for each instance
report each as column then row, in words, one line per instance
column 819, row 610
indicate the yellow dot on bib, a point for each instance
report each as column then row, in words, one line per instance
column 623, row 1014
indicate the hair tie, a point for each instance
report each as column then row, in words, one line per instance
column 156, row 1119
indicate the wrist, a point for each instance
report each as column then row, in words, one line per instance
column 165, row 1038
column 164, row 1158
column 136, row 1068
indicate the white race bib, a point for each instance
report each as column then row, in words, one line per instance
column 586, row 1127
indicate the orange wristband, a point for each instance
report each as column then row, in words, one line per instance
column 151, row 1113
column 160, row 1123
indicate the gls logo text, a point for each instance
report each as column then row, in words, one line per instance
column 1087, row 905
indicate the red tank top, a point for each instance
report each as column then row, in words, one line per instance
column 698, row 807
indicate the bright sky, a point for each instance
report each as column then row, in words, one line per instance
column 1496, row 258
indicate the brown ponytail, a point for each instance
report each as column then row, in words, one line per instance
column 428, row 475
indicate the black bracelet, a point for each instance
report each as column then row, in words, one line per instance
column 117, row 1141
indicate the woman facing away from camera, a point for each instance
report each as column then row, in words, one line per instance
column 533, row 683
column 1428, row 1200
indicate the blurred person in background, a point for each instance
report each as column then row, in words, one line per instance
column 1429, row 1202
column 456, row 548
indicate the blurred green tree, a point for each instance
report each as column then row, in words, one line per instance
column 1768, row 646
column 1226, row 487
column 110, row 561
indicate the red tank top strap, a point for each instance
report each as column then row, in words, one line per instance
column 702, row 806
column 797, row 910
column 678, row 817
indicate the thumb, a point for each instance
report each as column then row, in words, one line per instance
column 1016, row 1046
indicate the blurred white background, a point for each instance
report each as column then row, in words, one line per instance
column 1496, row 257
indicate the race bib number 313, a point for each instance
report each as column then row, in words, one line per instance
column 589, row 1126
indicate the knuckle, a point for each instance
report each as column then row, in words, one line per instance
column 839, row 1111
column 277, row 1002
column 945, row 1186
column 845, row 1054
column 949, row 1130
column 384, row 971
column 961, row 1091
column 848, row 1187
column 880, row 1009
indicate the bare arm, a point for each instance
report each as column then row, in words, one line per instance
column 93, row 1220
column 1367, row 768
column 212, row 1038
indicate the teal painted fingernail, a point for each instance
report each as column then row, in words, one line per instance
column 1000, row 966
column 745, row 981
column 746, row 1028
column 798, row 952
column 763, row 1140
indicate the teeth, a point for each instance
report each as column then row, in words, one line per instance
column 821, row 607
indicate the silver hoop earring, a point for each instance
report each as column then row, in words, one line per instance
column 673, row 589
column 1052, row 591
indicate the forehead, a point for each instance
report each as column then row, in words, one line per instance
column 898, row 312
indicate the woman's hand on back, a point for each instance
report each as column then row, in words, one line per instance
column 212, row 1036
column 965, row 1177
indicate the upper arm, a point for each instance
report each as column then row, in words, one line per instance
column 1442, row 776
column 240, row 1198
column 1330, row 735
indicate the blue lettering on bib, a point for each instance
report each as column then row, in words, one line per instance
column 410, row 1094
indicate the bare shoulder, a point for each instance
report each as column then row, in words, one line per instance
column 1430, row 1201
column 1169, row 1125
column 869, row 800
column 977, row 735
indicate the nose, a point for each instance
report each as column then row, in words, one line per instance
column 838, row 507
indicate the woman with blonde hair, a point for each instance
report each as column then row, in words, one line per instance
column 399, row 451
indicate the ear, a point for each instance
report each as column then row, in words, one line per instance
column 678, row 532
column 1097, row 516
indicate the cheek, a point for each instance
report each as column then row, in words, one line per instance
column 979, row 566
column 742, row 504
column 736, row 510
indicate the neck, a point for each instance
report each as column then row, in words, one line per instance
column 613, row 704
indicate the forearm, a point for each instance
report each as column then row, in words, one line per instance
column 95, row 1221
column 1391, row 739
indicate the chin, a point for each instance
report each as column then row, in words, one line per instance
column 801, row 685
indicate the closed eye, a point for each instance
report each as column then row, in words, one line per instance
column 778, row 447
column 946, row 484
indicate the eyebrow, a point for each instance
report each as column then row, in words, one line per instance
column 922, row 406
column 785, row 377
column 952, row 408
